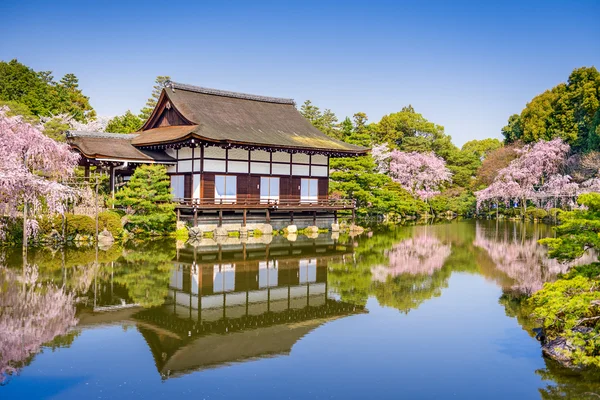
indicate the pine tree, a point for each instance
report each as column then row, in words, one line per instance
column 151, row 103
column 148, row 200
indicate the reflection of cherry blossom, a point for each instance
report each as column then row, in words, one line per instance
column 524, row 260
column 419, row 255
column 30, row 315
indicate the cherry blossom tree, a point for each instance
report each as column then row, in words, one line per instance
column 526, row 177
column 422, row 174
column 31, row 166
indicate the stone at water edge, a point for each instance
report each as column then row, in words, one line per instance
column 220, row 231
column 335, row 227
column 311, row 229
column 243, row 231
column 292, row 237
column 105, row 237
column 267, row 229
column 561, row 348
column 292, row 229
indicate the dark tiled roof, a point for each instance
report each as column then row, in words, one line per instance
column 101, row 145
column 244, row 119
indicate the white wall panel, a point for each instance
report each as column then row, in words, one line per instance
column 238, row 154
column 214, row 165
column 259, row 168
column 185, row 152
column 238, row 166
column 281, row 169
column 196, row 165
column 171, row 168
column 319, row 159
column 301, row 170
column 318, row 170
column 185, row 166
column 300, row 158
column 214, row 152
column 281, row 156
column 260, row 155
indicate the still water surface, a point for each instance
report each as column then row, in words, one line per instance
column 422, row 312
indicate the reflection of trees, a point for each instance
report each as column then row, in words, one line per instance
column 145, row 272
column 31, row 314
column 519, row 256
column 351, row 279
column 420, row 255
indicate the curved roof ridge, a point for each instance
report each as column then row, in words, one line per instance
column 110, row 135
column 226, row 93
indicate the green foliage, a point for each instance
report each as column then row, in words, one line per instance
column 457, row 200
column 325, row 121
column 579, row 230
column 375, row 193
column 148, row 200
column 56, row 128
column 13, row 230
column 111, row 221
column 567, row 304
column 79, row 224
column 151, row 103
column 569, row 111
column 536, row 213
column 126, row 123
column 40, row 94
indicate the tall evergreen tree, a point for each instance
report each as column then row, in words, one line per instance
column 148, row 200
column 151, row 103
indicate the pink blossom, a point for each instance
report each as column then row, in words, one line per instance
column 31, row 165
column 525, row 177
column 422, row 174
column 31, row 315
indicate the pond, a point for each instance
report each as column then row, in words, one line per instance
column 415, row 312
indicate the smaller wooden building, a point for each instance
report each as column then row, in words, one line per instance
column 226, row 151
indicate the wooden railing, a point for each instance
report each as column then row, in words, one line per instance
column 255, row 203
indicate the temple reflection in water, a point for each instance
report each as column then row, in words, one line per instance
column 233, row 303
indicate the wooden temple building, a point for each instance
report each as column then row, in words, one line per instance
column 226, row 152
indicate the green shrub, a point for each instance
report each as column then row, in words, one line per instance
column 567, row 304
column 555, row 212
column 48, row 223
column 537, row 213
column 13, row 230
column 110, row 221
column 80, row 224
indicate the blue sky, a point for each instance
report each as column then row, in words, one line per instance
column 464, row 65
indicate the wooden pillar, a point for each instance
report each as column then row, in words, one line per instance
column 178, row 214
column 268, row 216
column 335, row 221
column 244, row 218
column 291, row 217
column 353, row 215
column 220, row 217
column 86, row 172
column 195, row 217
column 314, row 218
column 112, row 180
